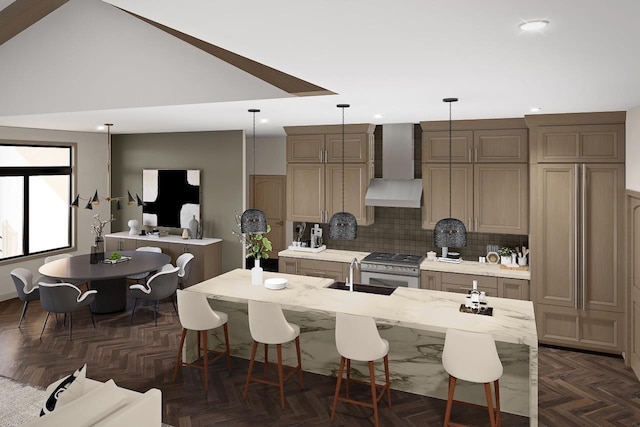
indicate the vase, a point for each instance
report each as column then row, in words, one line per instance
column 506, row 260
column 256, row 273
column 193, row 227
column 185, row 233
column 97, row 251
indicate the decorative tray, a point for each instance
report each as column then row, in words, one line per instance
column 116, row 261
column 305, row 249
column 514, row 267
column 487, row 311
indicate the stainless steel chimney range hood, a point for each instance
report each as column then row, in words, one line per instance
column 397, row 187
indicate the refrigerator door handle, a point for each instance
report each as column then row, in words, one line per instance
column 583, row 243
column 576, row 194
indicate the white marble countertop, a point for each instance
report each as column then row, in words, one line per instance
column 171, row 238
column 513, row 320
column 465, row 267
column 475, row 268
column 326, row 255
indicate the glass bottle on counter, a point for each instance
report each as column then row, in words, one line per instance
column 475, row 295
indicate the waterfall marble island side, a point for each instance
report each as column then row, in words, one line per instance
column 413, row 320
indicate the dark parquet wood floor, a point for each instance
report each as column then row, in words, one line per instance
column 576, row 389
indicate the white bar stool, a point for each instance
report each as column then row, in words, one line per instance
column 357, row 338
column 196, row 314
column 268, row 325
column 472, row 357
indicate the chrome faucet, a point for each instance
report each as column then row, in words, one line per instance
column 354, row 264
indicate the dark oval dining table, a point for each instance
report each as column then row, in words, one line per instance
column 109, row 280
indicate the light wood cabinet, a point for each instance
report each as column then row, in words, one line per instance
column 489, row 175
column 513, row 288
column 579, row 247
column 314, row 172
column 487, row 198
column 463, row 283
column 476, row 146
column 583, row 143
column 207, row 262
column 337, row 271
column 431, row 280
column 327, row 148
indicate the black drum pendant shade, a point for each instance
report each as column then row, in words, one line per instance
column 343, row 225
column 450, row 232
column 253, row 221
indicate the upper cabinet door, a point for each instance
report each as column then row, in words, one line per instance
column 501, row 146
column 435, row 184
column 435, row 147
column 305, row 148
column 584, row 143
column 355, row 148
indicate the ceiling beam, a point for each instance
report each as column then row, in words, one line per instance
column 21, row 14
column 283, row 81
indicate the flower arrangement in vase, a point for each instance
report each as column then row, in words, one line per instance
column 505, row 255
column 258, row 247
column 97, row 228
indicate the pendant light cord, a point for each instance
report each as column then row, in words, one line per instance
column 343, row 158
column 449, row 159
column 253, row 182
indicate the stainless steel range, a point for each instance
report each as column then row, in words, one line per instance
column 380, row 268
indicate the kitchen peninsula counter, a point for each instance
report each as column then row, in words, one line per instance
column 334, row 255
column 413, row 320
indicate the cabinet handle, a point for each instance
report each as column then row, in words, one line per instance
column 326, row 156
column 583, row 223
column 475, row 224
column 476, row 155
column 575, row 236
column 470, row 161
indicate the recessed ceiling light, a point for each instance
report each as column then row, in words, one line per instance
column 100, row 127
column 377, row 116
column 264, row 120
column 535, row 109
column 535, row 25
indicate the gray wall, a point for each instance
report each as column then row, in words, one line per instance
column 90, row 172
column 219, row 156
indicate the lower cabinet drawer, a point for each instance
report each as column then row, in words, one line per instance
column 582, row 329
column 463, row 283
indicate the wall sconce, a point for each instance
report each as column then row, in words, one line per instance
column 95, row 200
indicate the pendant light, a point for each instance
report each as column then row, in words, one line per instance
column 253, row 221
column 343, row 225
column 449, row 232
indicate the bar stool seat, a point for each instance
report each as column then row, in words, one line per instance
column 472, row 357
column 196, row 314
column 268, row 325
column 357, row 338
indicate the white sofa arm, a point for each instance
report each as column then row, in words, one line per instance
column 145, row 411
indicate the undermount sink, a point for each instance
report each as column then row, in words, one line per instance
column 360, row 287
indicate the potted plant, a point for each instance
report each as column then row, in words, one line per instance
column 505, row 255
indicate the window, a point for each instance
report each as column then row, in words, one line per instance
column 35, row 190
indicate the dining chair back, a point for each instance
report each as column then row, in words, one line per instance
column 138, row 277
column 26, row 288
column 184, row 264
column 161, row 285
column 64, row 298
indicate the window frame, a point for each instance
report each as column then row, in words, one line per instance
column 26, row 172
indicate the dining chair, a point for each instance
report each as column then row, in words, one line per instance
column 184, row 264
column 161, row 285
column 357, row 338
column 196, row 314
column 268, row 325
column 472, row 357
column 26, row 287
column 64, row 298
column 138, row 277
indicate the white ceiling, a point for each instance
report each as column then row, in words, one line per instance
column 88, row 63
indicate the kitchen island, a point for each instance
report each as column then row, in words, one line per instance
column 413, row 320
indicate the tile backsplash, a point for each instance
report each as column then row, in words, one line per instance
column 398, row 230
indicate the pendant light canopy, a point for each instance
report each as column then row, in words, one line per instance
column 450, row 232
column 253, row 221
column 343, row 225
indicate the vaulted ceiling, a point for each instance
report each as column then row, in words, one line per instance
column 162, row 65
